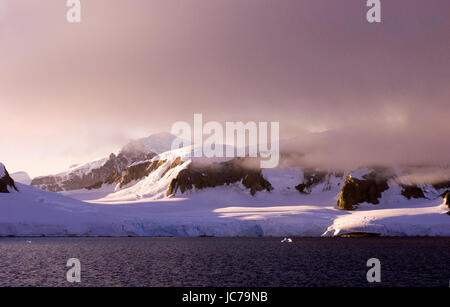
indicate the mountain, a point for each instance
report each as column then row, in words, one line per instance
column 232, row 198
column 91, row 175
column 171, row 193
column 145, row 169
column 175, row 174
column 106, row 171
column 21, row 177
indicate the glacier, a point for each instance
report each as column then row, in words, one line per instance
column 220, row 211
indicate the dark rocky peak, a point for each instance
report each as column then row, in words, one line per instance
column 6, row 182
column 412, row 191
column 313, row 177
column 365, row 185
column 201, row 176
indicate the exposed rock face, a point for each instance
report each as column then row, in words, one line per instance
column 6, row 182
column 109, row 172
column 138, row 171
column 446, row 196
column 412, row 191
column 311, row 178
column 174, row 164
column 314, row 177
column 135, row 172
column 368, row 189
column 218, row 174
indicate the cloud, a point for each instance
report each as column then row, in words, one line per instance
column 135, row 67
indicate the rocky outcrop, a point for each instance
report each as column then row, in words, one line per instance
column 366, row 189
column 6, row 182
column 50, row 183
column 412, row 191
column 92, row 178
column 446, row 196
column 312, row 178
column 135, row 172
column 138, row 171
column 218, row 174
column 174, row 164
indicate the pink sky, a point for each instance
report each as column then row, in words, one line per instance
column 73, row 92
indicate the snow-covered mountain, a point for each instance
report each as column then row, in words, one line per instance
column 287, row 200
column 170, row 193
column 144, row 169
column 21, row 177
column 108, row 170
column 217, row 201
column 91, row 175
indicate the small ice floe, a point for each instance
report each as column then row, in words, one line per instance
column 286, row 240
column 29, row 242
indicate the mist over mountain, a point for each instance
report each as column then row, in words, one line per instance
column 310, row 65
column 146, row 168
column 357, row 147
column 362, row 109
column 156, row 143
column 169, row 193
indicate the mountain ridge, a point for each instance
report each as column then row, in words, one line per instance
column 224, row 210
column 135, row 174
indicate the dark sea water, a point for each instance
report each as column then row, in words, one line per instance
column 234, row 262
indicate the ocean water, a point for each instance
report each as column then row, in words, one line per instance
column 235, row 262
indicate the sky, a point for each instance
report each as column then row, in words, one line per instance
column 73, row 92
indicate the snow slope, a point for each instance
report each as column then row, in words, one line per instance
column 220, row 211
column 155, row 185
column 416, row 218
column 33, row 212
column 143, row 208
